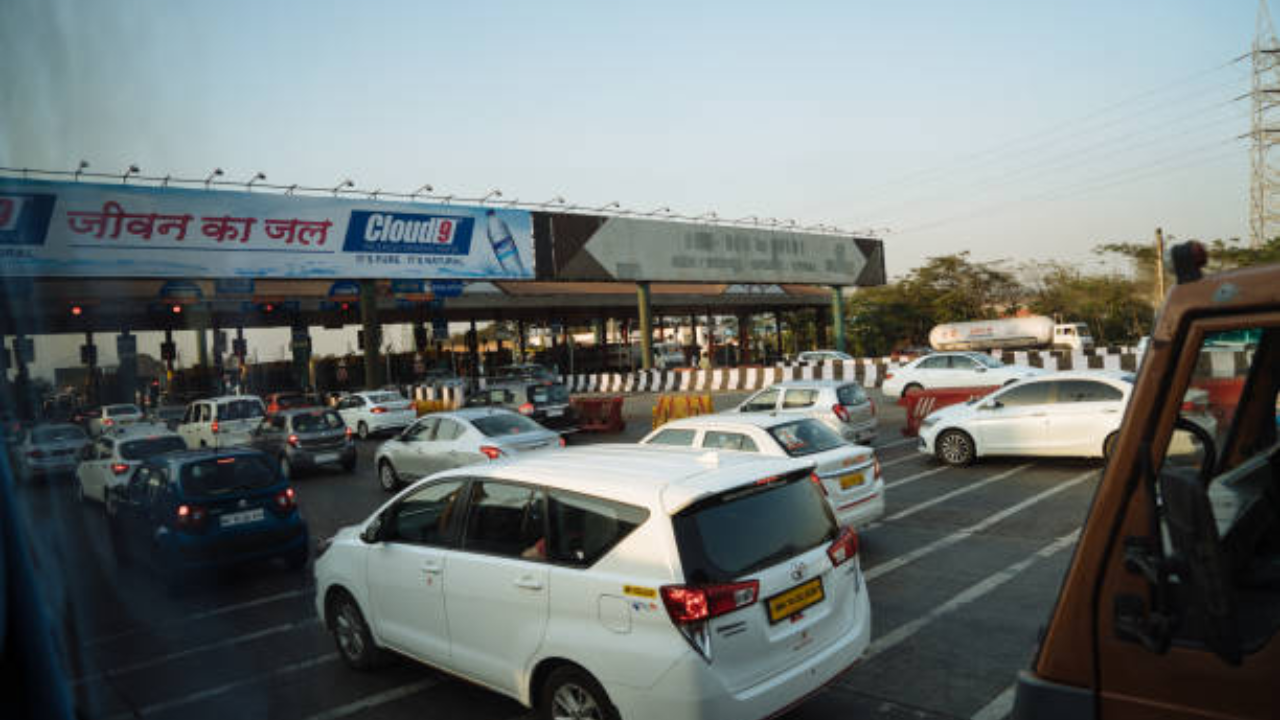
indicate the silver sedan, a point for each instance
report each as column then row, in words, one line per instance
column 445, row 440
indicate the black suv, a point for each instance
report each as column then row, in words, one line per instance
column 543, row 401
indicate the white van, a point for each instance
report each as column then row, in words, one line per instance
column 221, row 422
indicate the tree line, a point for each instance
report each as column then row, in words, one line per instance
column 1118, row 307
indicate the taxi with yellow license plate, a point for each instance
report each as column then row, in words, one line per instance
column 848, row 474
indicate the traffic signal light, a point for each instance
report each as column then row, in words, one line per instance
column 76, row 311
column 88, row 354
column 176, row 309
column 419, row 337
column 168, row 351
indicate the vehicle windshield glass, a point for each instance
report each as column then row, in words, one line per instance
column 123, row 410
column 288, row 401
column 505, row 424
column 987, row 360
column 219, row 476
column 851, row 395
column 556, row 393
column 57, row 433
column 786, row 519
column 317, row 421
column 150, row 447
column 805, row 437
column 239, row 410
column 385, row 397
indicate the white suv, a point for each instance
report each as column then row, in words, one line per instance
column 221, row 422
column 608, row 581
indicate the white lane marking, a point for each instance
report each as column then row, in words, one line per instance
column 227, row 687
column 918, row 507
column 375, row 700
column 974, row 592
column 896, row 443
column 225, row 609
column 918, row 476
column 904, row 458
column 226, row 642
column 963, row 533
column 999, row 707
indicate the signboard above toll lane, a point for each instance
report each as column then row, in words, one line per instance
column 53, row 229
column 633, row 249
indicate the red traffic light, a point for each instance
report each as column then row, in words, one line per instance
column 346, row 307
column 269, row 307
column 77, row 311
column 176, row 309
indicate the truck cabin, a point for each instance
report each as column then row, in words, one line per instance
column 1073, row 335
column 1171, row 605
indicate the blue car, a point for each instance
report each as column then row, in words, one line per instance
column 205, row 510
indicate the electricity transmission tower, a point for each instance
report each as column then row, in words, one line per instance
column 1264, row 190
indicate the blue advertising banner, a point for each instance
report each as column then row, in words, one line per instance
column 52, row 229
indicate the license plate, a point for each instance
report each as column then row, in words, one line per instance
column 241, row 518
column 555, row 412
column 326, row 458
column 851, row 480
column 788, row 603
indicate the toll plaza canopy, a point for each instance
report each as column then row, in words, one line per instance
column 127, row 252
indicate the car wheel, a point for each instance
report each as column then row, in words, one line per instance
column 911, row 387
column 286, row 468
column 351, row 633
column 363, row 431
column 387, row 476
column 1109, row 445
column 955, row 447
column 571, row 693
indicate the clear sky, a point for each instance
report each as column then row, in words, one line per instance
column 1013, row 129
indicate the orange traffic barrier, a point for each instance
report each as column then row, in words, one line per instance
column 675, row 407
column 920, row 403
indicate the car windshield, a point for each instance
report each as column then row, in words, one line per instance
column 149, row 447
column 385, row 397
column 505, row 424
column 317, row 421
column 548, row 394
column 123, row 410
column 786, row 518
column 57, row 433
column 851, row 395
column 222, row 475
column 805, row 437
column 987, row 360
column 239, row 410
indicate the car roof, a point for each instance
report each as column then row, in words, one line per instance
column 131, row 432
column 1123, row 376
column 813, row 383
column 763, row 420
column 302, row 410
column 473, row 413
column 228, row 398
column 652, row 476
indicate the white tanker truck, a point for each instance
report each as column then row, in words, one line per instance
column 1021, row 333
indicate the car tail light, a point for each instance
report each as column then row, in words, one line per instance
column 293, row 440
column 108, row 421
column 348, row 433
column 840, row 412
column 286, row 500
column 119, row 468
column 377, row 410
column 876, row 460
column 888, row 376
column 562, row 442
column 525, row 409
column 191, row 517
column 818, row 481
column 845, row 547
column 491, row 452
column 214, row 427
column 690, row 607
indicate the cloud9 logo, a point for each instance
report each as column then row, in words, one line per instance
column 24, row 219
column 394, row 232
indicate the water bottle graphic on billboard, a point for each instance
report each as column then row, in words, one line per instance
column 504, row 245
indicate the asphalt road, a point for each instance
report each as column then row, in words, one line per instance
column 962, row 571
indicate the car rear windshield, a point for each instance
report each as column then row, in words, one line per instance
column 805, row 437
column 504, row 424
column 786, row 518
column 289, row 401
column 60, row 433
column 546, row 394
column 150, row 447
column 123, row 410
column 239, row 410
column 385, row 397
column 851, row 395
column 317, row 421
column 219, row 476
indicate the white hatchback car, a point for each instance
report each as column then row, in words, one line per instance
column 849, row 475
column 114, row 416
column 953, row 369
column 110, row 461
column 1072, row 414
column 376, row 411
column 841, row 404
column 608, row 582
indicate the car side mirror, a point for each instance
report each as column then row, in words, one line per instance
column 372, row 533
column 1199, row 560
column 982, row 368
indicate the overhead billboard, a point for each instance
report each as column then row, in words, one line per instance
column 616, row 248
column 50, row 229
